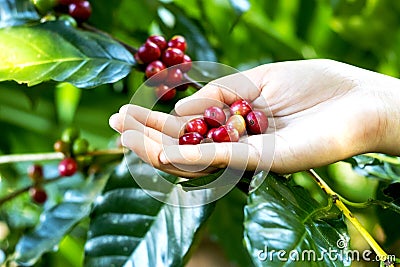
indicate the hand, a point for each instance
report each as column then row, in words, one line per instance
column 323, row 111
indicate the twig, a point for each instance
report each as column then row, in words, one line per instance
column 369, row 202
column 347, row 213
column 25, row 189
column 116, row 151
column 54, row 156
column 31, row 157
column 381, row 157
column 193, row 83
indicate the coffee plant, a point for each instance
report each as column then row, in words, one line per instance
column 67, row 196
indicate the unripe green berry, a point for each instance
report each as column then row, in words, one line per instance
column 44, row 6
column 69, row 135
column 80, row 146
column 68, row 20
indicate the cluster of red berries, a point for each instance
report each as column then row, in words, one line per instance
column 214, row 127
column 71, row 145
column 80, row 10
column 156, row 55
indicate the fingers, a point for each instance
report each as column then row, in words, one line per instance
column 162, row 122
column 243, row 85
column 219, row 155
column 122, row 123
column 149, row 150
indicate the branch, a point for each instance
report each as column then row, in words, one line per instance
column 54, row 156
column 347, row 213
column 193, row 83
column 25, row 189
column 31, row 157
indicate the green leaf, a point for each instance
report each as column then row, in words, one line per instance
column 227, row 221
column 281, row 216
column 57, row 51
column 201, row 181
column 67, row 101
column 17, row 12
column 130, row 228
column 379, row 166
column 57, row 221
column 193, row 34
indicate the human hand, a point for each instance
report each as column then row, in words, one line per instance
column 319, row 109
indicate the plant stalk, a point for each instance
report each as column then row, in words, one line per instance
column 349, row 215
column 5, row 159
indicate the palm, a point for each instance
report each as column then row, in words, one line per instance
column 310, row 103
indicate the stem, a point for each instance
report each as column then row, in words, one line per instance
column 25, row 189
column 88, row 27
column 380, row 157
column 116, row 151
column 347, row 213
column 383, row 204
column 54, row 156
column 193, row 83
column 31, row 157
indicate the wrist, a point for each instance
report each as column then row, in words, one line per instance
column 384, row 94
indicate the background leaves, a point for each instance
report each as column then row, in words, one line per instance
column 130, row 228
column 59, row 220
column 282, row 216
column 17, row 12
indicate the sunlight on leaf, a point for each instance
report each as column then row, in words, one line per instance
column 56, row 51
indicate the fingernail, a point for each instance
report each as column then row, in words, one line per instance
column 163, row 158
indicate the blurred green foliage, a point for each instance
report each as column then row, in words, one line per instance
column 239, row 33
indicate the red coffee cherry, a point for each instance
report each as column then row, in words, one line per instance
column 197, row 125
column 67, row 167
column 172, row 56
column 159, row 41
column 257, row 122
column 192, row 138
column 38, row 194
column 138, row 59
column 240, row 107
column 174, row 77
column 35, row 172
column 179, row 42
column 80, row 10
column 186, row 64
column 165, row 93
column 210, row 133
column 148, row 52
column 225, row 134
column 214, row 116
column 156, row 68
